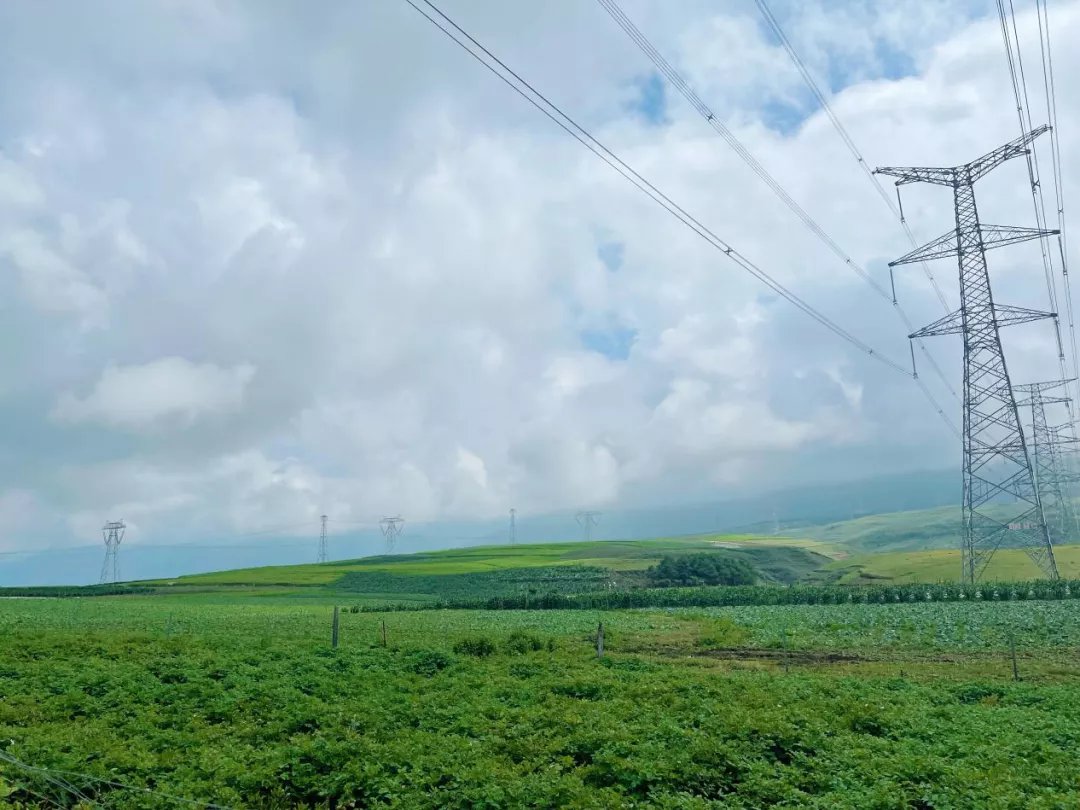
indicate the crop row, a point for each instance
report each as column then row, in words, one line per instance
column 729, row 596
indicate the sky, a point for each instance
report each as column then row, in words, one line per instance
column 260, row 263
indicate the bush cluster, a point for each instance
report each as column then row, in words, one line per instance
column 701, row 569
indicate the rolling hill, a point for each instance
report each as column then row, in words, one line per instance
column 542, row 567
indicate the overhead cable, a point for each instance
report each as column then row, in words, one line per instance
column 681, row 85
column 509, row 77
column 847, row 139
column 1010, row 35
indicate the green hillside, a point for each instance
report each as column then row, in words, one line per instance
column 941, row 565
column 914, row 530
column 894, row 531
column 492, row 570
column 899, row 547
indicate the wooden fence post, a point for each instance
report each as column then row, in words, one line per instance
column 786, row 654
column 1012, row 651
column 334, row 628
column 384, row 632
column 600, row 640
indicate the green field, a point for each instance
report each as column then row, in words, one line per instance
column 943, row 565
column 242, row 702
column 913, row 530
column 223, row 688
column 487, row 570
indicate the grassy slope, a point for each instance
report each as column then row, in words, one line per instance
column 916, row 530
column 895, row 531
column 778, row 558
column 942, row 565
column 914, row 546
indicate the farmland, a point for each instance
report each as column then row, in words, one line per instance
column 224, row 688
column 941, row 565
column 242, row 702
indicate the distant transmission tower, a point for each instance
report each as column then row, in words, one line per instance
column 587, row 520
column 997, row 467
column 112, row 533
column 391, row 531
column 322, row 539
column 513, row 526
column 1052, row 479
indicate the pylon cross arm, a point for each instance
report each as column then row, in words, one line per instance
column 919, row 174
column 992, row 236
column 1004, row 314
column 1014, row 148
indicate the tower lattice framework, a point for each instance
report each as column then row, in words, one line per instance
column 112, row 533
column 391, row 528
column 1052, row 478
column 1001, row 503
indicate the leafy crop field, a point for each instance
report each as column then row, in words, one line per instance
column 242, row 702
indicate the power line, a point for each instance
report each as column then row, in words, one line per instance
column 322, row 539
column 676, row 79
column 579, row 133
column 1018, row 80
column 1059, row 188
column 822, row 100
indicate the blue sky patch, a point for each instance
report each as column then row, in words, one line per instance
column 614, row 343
column 651, row 103
column 611, row 254
column 784, row 117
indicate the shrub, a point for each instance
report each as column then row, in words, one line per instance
column 701, row 569
column 429, row 662
column 477, row 646
column 520, row 642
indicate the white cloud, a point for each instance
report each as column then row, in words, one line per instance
column 168, row 392
column 409, row 255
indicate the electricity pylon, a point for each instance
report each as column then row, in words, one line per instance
column 392, row 528
column 322, row 539
column 112, row 533
column 1051, row 477
column 587, row 520
column 513, row 526
column 997, row 466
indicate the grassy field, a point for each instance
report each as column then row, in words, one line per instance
column 241, row 702
column 495, row 569
column 915, row 530
column 942, row 565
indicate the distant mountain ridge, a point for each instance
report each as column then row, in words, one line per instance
column 791, row 511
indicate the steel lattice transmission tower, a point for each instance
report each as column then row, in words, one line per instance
column 587, row 519
column 112, row 533
column 1070, row 475
column 322, row 539
column 1051, row 478
column 392, row 528
column 513, row 526
column 997, row 467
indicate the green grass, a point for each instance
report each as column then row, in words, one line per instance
column 943, row 565
column 915, row 530
column 243, row 703
column 783, row 559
